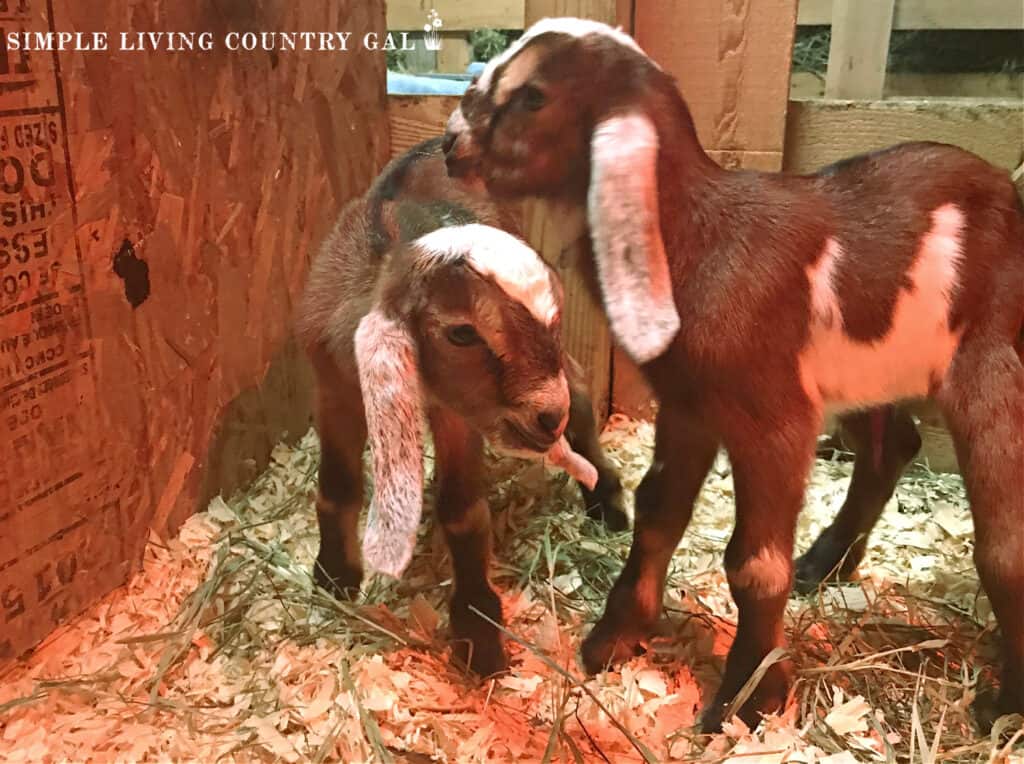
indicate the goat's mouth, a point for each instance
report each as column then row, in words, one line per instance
column 514, row 437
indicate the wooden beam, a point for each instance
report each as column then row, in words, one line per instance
column 822, row 132
column 455, row 53
column 600, row 10
column 417, row 118
column 932, row 14
column 859, row 53
column 988, row 85
column 457, row 15
column 731, row 60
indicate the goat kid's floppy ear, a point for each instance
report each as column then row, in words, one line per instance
column 622, row 209
column 389, row 378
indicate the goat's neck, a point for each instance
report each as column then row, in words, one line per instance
column 688, row 183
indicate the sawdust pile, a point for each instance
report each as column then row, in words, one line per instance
column 222, row 650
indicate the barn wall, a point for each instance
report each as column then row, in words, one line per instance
column 158, row 213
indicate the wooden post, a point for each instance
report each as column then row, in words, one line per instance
column 559, row 241
column 859, row 52
column 455, row 53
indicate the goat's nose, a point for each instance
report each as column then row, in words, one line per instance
column 550, row 420
column 449, row 142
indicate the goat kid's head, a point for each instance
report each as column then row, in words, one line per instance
column 566, row 113
column 468, row 318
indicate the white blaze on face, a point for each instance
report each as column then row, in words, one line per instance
column 567, row 26
column 840, row 372
column 491, row 252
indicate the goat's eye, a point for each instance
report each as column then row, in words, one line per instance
column 463, row 335
column 533, row 98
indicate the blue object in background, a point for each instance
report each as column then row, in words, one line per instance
column 400, row 83
column 427, row 84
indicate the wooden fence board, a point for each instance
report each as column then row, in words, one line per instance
column 859, row 51
column 821, row 132
column 932, row 14
column 457, row 15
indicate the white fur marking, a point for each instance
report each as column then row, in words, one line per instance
column 622, row 206
column 841, row 372
column 516, row 268
column 569, row 26
column 766, row 574
column 389, row 381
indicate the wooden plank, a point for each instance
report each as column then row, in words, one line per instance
column 988, row 85
column 561, row 239
column 182, row 208
column 821, row 132
column 859, row 52
column 932, row 14
column 731, row 60
column 457, row 15
column 455, row 53
column 600, row 10
column 417, row 118
column 557, row 235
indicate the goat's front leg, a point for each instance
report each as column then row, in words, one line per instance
column 341, row 425
column 605, row 502
column 466, row 520
column 885, row 441
column 769, row 475
column 683, row 454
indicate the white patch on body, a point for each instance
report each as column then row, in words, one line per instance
column 765, row 575
column 513, row 265
column 568, row 26
column 622, row 207
column 389, row 381
column 841, row 373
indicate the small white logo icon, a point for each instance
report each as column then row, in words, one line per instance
column 432, row 31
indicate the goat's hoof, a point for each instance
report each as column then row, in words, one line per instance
column 610, row 514
column 768, row 698
column 988, row 707
column 484, row 657
column 478, row 642
column 607, row 646
column 341, row 583
column 822, row 562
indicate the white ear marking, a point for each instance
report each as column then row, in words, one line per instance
column 622, row 206
column 514, row 265
column 389, row 379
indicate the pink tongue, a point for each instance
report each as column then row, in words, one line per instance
column 561, row 455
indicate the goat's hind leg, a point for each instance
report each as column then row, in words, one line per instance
column 885, row 440
column 983, row 399
column 605, row 502
column 466, row 521
column 683, row 454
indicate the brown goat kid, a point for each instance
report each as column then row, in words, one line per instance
column 418, row 307
column 757, row 301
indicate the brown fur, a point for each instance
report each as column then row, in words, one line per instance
column 367, row 263
column 738, row 245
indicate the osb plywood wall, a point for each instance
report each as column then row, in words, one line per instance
column 157, row 214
